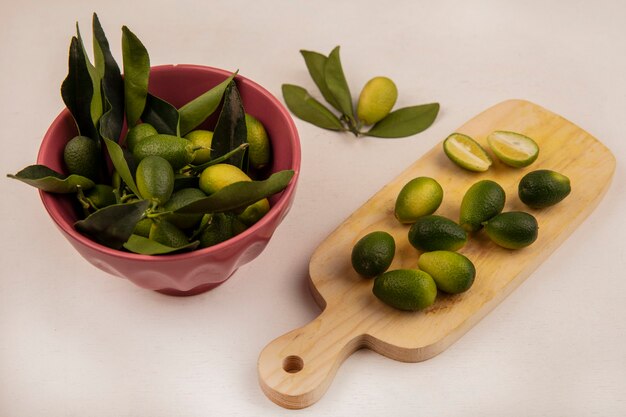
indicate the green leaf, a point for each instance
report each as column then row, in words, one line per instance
column 337, row 84
column 162, row 115
column 110, row 128
column 239, row 195
column 96, row 98
column 77, row 90
column 121, row 166
column 46, row 179
column 316, row 64
column 99, row 60
column 112, row 84
column 136, row 62
column 230, row 130
column 304, row 106
column 145, row 246
column 197, row 110
column 406, row 121
column 112, row 225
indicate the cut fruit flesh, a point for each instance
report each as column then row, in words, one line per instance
column 512, row 148
column 466, row 152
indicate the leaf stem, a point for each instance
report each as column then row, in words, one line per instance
column 116, row 193
column 226, row 156
column 359, row 125
column 84, row 202
column 352, row 127
column 157, row 214
column 126, row 197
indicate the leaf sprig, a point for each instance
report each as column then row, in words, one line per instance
column 328, row 75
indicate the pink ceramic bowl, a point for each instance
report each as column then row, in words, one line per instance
column 200, row 270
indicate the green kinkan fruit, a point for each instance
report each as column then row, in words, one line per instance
column 167, row 234
column 405, row 289
column 138, row 133
column 260, row 151
column 254, row 212
column 201, row 140
column 543, row 188
column 453, row 273
column 177, row 151
column 179, row 199
column 101, row 195
column 466, row 153
column 222, row 227
column 419, row 197
column 482, row 201
column 82, row 157
column 142, row 228
column 376, row 100
column 513, row 149
column 218, row 176
column 373, row 253
column 155, row 179
column 433, row 232
column 513, row 229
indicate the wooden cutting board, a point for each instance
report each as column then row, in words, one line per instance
column 297, row 368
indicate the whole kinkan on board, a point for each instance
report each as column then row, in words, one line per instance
column 437, row 239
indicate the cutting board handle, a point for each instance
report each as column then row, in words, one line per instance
column 296, row 369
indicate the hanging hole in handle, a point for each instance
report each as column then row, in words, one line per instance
column 293, row 364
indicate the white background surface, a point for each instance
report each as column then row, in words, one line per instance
column 75, row 341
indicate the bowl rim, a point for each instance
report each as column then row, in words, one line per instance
column 275, row 210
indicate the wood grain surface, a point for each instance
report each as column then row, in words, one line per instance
column 297, row 368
